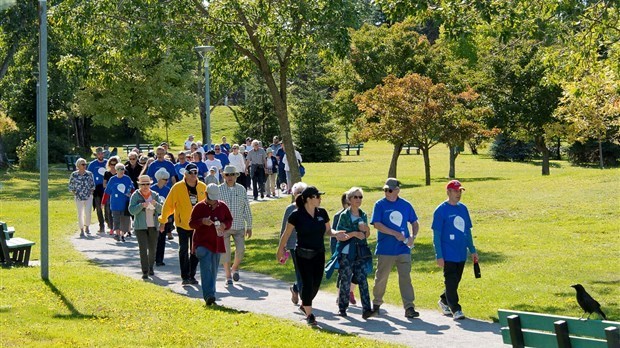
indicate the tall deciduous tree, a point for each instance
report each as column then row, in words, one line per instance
column 273, row 36
column 411, row 109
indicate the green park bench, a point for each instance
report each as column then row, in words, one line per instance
column 143, row 147
column 70, row 161
column 408, row 149
column 524, row 329
column 14, row 250
column 348, row 147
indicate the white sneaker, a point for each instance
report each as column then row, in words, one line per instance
column 444, row 308
column 458, row 315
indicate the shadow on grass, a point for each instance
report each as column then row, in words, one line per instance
column 380, row 188
column 481, row 178
column 26, row 185
column 75, row 314
column 551, row 164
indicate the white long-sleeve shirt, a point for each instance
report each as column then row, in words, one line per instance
column 238, row 161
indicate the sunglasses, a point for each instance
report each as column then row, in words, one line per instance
column 230, row 174
column 388, row 190
column 357, row 197
column 192, row 173
column 144, row 184
column 83, row 164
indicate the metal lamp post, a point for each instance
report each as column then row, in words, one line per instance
column 42, row 138
column 202, row 51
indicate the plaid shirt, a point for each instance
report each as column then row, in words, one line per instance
column 237, row 201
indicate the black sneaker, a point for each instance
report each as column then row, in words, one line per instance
column 210, row 300
column 151, row 272
column 122, row 238
column 367, row 314
column 145, row 276
column 411, row 313
column 186, row 282
column 87, row 230
column 158, row 264
column 375, row 309
column 342, row 313
column 117, row 238
column 236, row 276
column 311, row 320
column 193, row 281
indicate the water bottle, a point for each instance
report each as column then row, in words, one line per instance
column 406, row 240
column 287, row 254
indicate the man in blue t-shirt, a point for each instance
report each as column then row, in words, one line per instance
column 394, row 242
column 98, row 168
column 452, row 237
column 161, row 162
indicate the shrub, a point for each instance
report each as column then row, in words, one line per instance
column 27, row 154
column 587, row 153
column 505, row 148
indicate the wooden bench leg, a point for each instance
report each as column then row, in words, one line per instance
column 613, row 337
column 516, row 335
column 561, row 334
column 26, row 257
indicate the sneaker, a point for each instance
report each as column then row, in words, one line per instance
column 375, row 309
column 444, row 308
column 342, row 313
column 193, row 281
column 352, row 298
column 145, row 276
column 294, row 295
column 87, row 230
column 262, row 195
column 151, row 272
column 367, row 314
column 210, row 300
column 229, row 281
column 411, row 313
column 123, row 238
column 117, row 238
column 101, row 229
column 458, row 315
column 311, row 320
column 236, row 276
column 170, row 237
column 82, row 234
column 158, row 264
column 185, row 282
column 128, row 234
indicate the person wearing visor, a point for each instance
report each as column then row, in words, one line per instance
column 183, row 196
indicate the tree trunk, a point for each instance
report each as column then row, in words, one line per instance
column 473, row 147
column 8, row 58
column 454, row 152
column 600, row 153
column 394, row 162
column 427, row 165
column 541, row 145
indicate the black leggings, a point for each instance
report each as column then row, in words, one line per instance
column 311, row 271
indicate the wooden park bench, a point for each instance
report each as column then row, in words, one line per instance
column 14, row 250
column 348, row 147
column 408, row 149
column 143, row 147
column 524, row 329
column 70, row 162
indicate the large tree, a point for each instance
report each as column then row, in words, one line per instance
column 273, row 37
column 409, row 110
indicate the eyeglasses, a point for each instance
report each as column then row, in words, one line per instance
column 120, row 170
column 144, row 184
column 230, row 174
column 192, row 173
column 357, row 197
column 133, row 159
column 388, row 190
column 83, row 164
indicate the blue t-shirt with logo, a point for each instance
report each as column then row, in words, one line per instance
column 179, row 169
column 118, row 190
column 98, row 169
column 394, row 215
column 454, row 226
column 156, row 165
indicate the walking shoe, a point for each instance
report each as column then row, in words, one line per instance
column 82, row 234
column 367, row 314
column 210, row 300
column 117, row 238
column 123, row 238
column 444, row 308
column 236, row 276
column 262, row 195
column 193, row 281
column 342, row 313
column 87, row 230
column 294, row 295
column 128, row 234
column 352, row 298
column 101, row 229
column 411, row 313
column 170, row 237
column 151, row 272
column 311, row 320
column 229, row 281
column 158, row 264
column 185, row 282
column 375, row 309
column 458, row 315
column 145, row 276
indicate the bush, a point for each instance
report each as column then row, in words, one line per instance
column 505, row 148
column 587, row 153
column 27, row 154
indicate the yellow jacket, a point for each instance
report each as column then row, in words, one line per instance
column 178, row 203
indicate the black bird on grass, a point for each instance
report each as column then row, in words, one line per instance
column 587, row 303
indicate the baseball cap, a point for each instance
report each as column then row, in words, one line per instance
column 454, row 185
column 213, row 192
column 391, row 183
column 191, row 166
column 311, row 191
column 99, row 149
column 210, row 152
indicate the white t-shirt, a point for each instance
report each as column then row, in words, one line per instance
column 284, row 159
column 238, row 161
column 215, row 163
column 188, row 144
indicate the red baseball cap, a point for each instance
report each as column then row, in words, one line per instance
column 454, row 185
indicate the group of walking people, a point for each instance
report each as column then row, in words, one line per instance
column 207, row 216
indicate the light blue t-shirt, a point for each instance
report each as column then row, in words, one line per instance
column 118, row 190
column 394, row 215
column 454, row 226
column 98, row 169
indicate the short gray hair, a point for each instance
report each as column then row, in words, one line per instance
column 299, row 187
column 351, row 192
column 162, row 174
column 80, row 161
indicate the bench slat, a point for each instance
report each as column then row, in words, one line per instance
column 544, row 322
column 17, row 242
column 546, row 339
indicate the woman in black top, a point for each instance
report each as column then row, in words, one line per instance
column 311, row 224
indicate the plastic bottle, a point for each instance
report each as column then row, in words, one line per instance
column 406, row 240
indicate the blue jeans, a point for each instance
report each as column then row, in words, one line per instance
column 209, row 262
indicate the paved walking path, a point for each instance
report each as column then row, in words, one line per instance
column 262, row 294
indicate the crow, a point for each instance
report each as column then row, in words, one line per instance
column 587, row 303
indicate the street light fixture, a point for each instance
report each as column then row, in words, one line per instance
column 202, row 51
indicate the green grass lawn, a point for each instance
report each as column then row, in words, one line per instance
column 535, row 235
